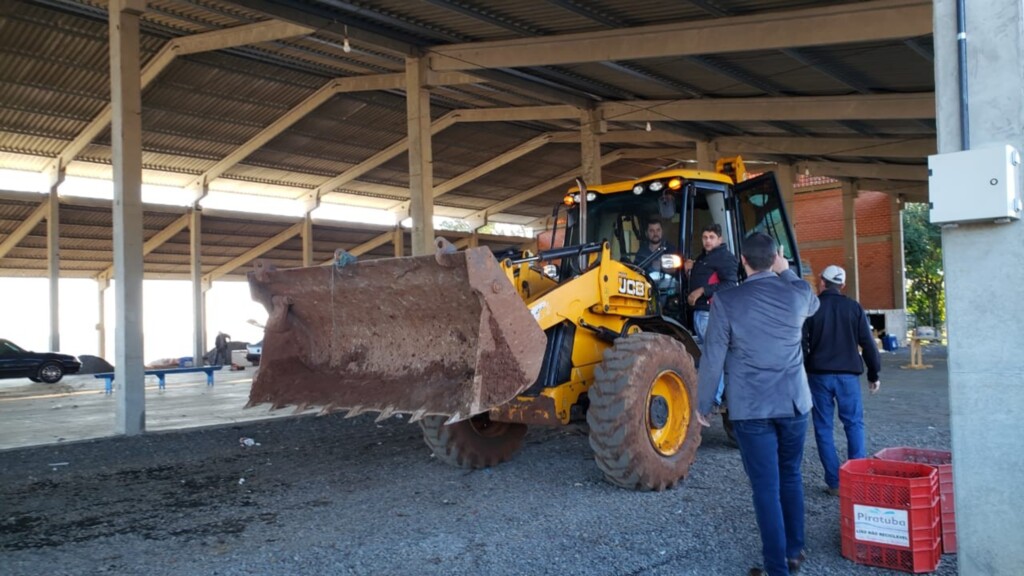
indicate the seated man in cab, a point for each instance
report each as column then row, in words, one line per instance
column 655, row 240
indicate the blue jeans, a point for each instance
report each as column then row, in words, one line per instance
column 700, row 328
column 828, row 390
column 773, row 450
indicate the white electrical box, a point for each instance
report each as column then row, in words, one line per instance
column 981, row 185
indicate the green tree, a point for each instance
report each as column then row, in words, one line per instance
column 922, row 246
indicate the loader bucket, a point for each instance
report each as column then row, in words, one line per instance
column 426, row 335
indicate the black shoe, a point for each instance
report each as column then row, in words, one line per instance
column 794, row 563
column 757, row 572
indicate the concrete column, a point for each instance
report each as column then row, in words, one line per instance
column 590, row 145
column 126, row 141
column 706, row 156
column 421, row 164
column 399, row 242
column 986, row 383
column 101, row 326
column 195, row 235
column 307, row 240
column 850, row 239
column 899, row 266
column 786, row 177
column 53, row 264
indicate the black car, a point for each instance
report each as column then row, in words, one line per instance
column 49, row 367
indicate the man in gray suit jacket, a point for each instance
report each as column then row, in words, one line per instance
column 754, row 336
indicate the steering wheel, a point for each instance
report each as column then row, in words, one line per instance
column 666, row 282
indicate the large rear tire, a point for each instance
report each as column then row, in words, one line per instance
column 642, row 428
column 474, row 443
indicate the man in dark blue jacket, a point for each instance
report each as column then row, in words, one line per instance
column 831, row 339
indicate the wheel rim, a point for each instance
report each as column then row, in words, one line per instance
column 50, row 372
column 668, row 413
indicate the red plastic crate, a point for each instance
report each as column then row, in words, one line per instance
column 923, row 555
column 943, row 462
column 899, row 522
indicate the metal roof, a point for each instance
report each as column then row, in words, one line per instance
column 203, row 106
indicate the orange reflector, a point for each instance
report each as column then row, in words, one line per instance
column 568, row 201
column 675, row 184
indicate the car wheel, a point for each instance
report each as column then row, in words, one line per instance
column 51, row 372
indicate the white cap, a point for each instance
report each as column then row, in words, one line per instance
column 834, row 274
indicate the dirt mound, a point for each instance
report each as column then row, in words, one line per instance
column 94, row 365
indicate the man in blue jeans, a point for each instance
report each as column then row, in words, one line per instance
column 754, row 337
column 831, row 339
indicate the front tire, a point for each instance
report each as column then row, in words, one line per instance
column 51, row 372
column 642, row 428
column 477, row 442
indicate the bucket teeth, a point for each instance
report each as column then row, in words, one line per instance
column 329, row 409
column 354, row 411
column 385, row 414
column 417, row 415
column 299, row 409
column 454, row 418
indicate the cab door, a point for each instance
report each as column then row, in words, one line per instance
column 758, row 207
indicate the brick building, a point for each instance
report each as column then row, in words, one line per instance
column 875, row 267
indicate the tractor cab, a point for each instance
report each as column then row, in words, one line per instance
column 675, row 205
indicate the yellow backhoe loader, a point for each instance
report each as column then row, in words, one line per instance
column 477, row 346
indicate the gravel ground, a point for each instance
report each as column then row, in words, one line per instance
column 328, row 495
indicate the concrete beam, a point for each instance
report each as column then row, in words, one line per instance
column 126, row 148
column 796, row 108
column 195, row 243
column 856, row 170
column 53, row 265
column 421, row 155
column 811, row 146
column 249, row 255
column 539, row 189
column 856, row 22
column 851, row 262
column 205, row 42
column 378, row 159
column 485, row 168
column 591, row 126
column 25, row 228
column 520, row 113
column 156, row 241
column 914, row 191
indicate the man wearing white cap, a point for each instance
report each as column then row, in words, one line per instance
column 831, row 339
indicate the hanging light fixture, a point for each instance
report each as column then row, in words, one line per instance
column 345, row 46
column 648, row 126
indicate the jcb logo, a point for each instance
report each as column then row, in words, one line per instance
column 632, row 287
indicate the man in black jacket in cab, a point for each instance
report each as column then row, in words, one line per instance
column 715, row 269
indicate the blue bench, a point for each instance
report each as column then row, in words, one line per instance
column 161, row 373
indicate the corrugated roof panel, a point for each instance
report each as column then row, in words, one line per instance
column 22, row 161
column 44, row 101
column 37, row 124
column 34, row 145
column 184, row 13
